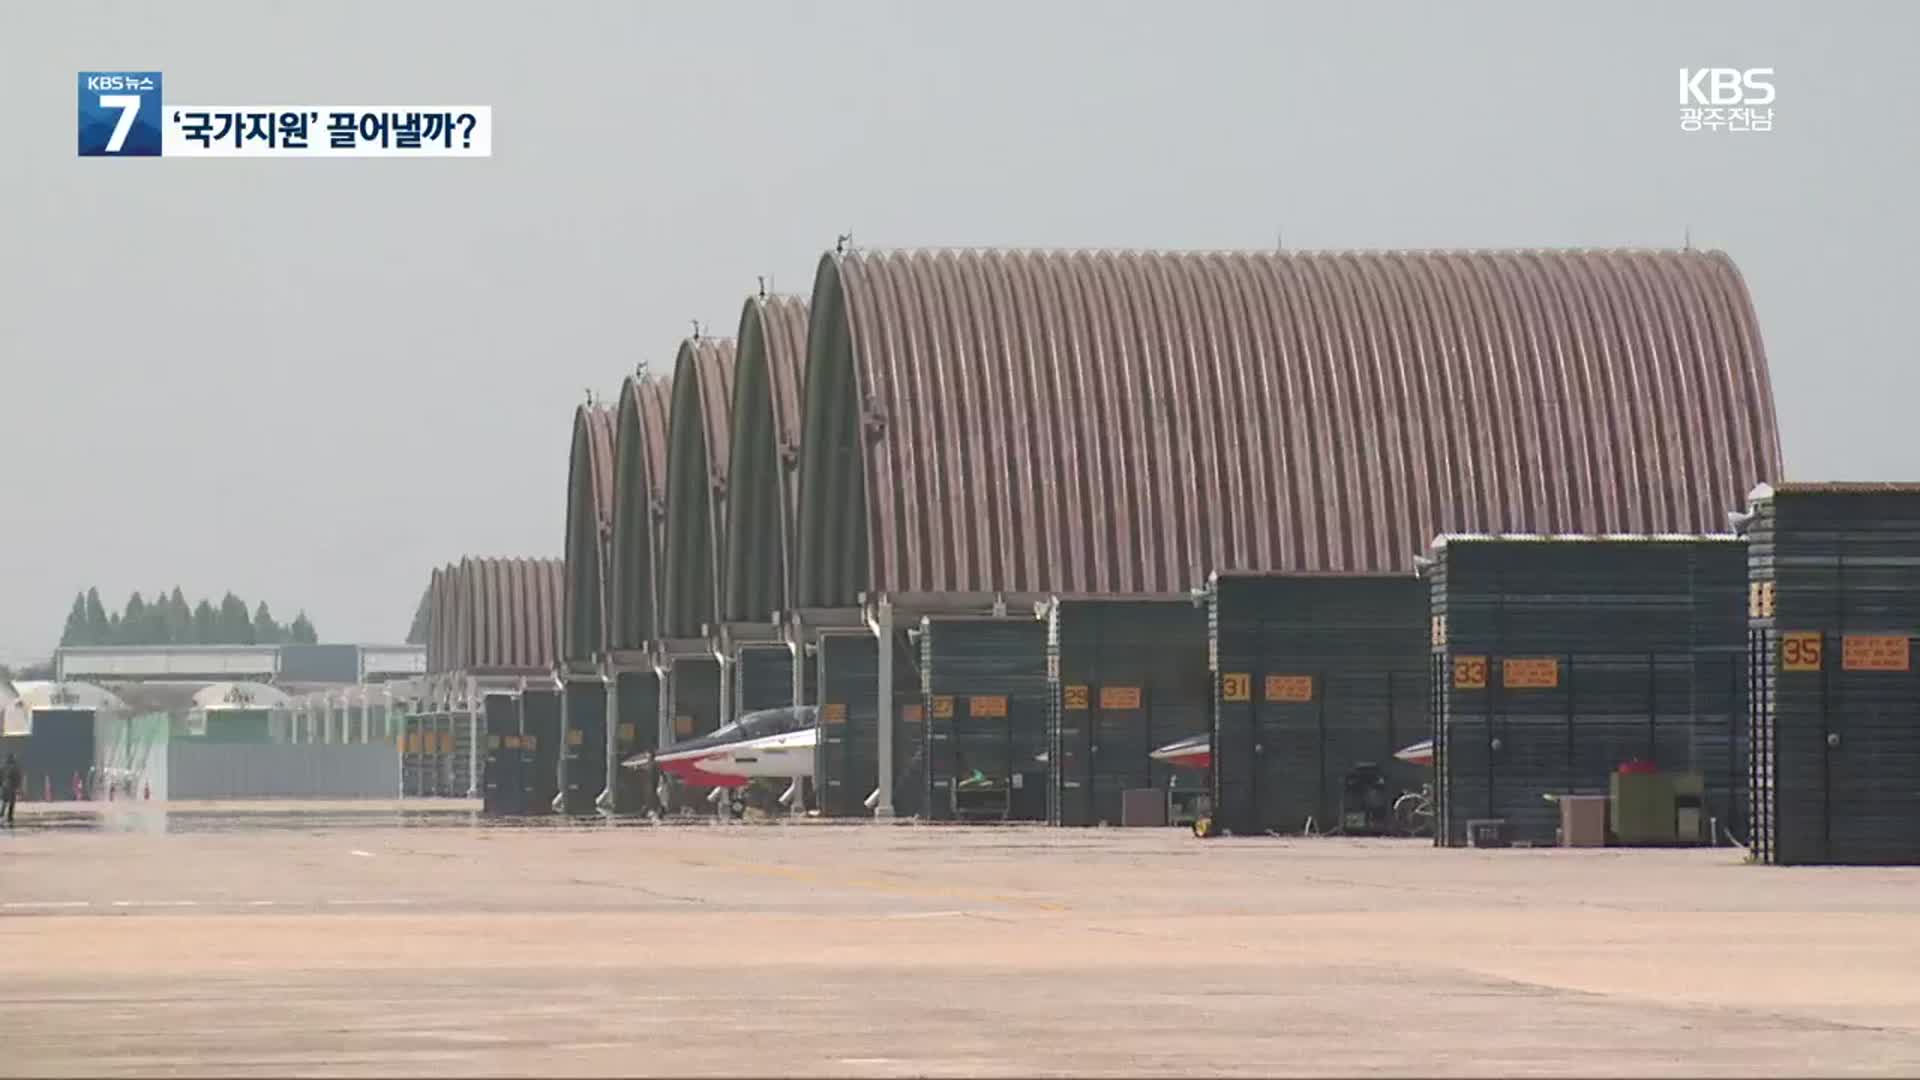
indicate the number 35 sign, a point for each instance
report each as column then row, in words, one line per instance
column 1800, row 650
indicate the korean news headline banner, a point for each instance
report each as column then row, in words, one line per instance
column 124, row 114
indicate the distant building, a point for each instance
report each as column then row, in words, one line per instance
column 316, row 665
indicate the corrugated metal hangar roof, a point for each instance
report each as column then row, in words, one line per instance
column 590, row 512
column 1104, row 422
column 640, row 509
column 764, row 485
column 496, row 616
column 699, row 440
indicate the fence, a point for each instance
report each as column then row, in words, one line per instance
column 280, row 770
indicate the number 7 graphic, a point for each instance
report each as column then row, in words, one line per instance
column 129, row 106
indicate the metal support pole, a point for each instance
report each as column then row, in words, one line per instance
column 611, row 683
column 726, row 681
column 559, row 803
column 798, row 653
column 400, row 755
column 798, row 650
column 882, row 623
column 663, row 730
column 475, row 706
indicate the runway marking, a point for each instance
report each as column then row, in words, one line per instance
column 156, row 903
column 365, row 903
column 23, row 904
column 930, row 891
column 927, row 914
column 362, row 854
column 261, row 903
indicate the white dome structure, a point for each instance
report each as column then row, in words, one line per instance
column 223, row 696
column 22, row 699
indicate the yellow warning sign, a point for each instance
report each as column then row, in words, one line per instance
column 1119, row 697
column 1236, row 686
column 1469, row 673
column 1292, row 689
column 1800, row 650
column 629, row 732
column 576, row 737
column 943, row 707
column 682, row 726
column 1541, row 673
column 1074, row 698
column 833, row 713
column 1874, row 652
column 511, row 742
column 913, row 714
column 987, row 706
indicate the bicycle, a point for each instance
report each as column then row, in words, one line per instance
column 1413, row 812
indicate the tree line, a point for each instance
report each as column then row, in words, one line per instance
column 168, row 620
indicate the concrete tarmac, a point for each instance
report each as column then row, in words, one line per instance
column 363, row 940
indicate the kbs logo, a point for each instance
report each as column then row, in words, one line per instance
column 1725, row 86
column 119, row 114
column 1725, row 99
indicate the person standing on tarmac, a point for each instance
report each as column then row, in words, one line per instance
column 9, row 787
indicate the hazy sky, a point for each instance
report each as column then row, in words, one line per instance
column 310, row 381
